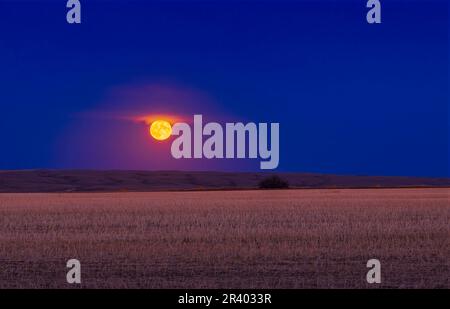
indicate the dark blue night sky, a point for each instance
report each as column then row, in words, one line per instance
column 351, row 98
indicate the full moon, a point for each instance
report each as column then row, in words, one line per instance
column 160, row 130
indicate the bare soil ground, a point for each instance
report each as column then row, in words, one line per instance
column 227, row 239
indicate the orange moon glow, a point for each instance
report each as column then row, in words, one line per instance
column 160, row 130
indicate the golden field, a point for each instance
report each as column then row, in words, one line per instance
column 227, row 239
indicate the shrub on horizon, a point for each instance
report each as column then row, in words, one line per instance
column 273, row 182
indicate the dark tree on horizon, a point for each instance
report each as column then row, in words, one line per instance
column 273, row 182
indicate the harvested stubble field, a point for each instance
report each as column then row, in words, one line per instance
column 226, row 239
